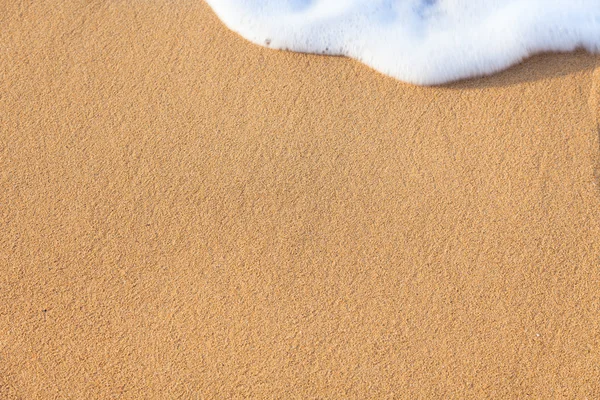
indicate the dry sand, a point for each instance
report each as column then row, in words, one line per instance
column 186, row 215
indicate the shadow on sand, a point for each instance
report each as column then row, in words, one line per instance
column 535, row 68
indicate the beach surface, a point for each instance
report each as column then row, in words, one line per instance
column 185, row 215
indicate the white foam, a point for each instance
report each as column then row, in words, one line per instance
column 419, row 41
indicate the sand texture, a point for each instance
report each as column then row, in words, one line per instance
column 184, row 215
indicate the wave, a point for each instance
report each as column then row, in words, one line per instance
column 419, row 41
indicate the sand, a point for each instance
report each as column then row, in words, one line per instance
column 184, row 215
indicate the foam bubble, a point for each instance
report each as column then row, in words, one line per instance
column 419, row 41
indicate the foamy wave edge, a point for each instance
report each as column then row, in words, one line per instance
column 424, row 42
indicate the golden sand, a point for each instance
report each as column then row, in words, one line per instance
column 186, row 215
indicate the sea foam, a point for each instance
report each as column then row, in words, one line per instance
column 419, row 41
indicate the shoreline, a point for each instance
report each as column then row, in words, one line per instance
column 185, row 214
